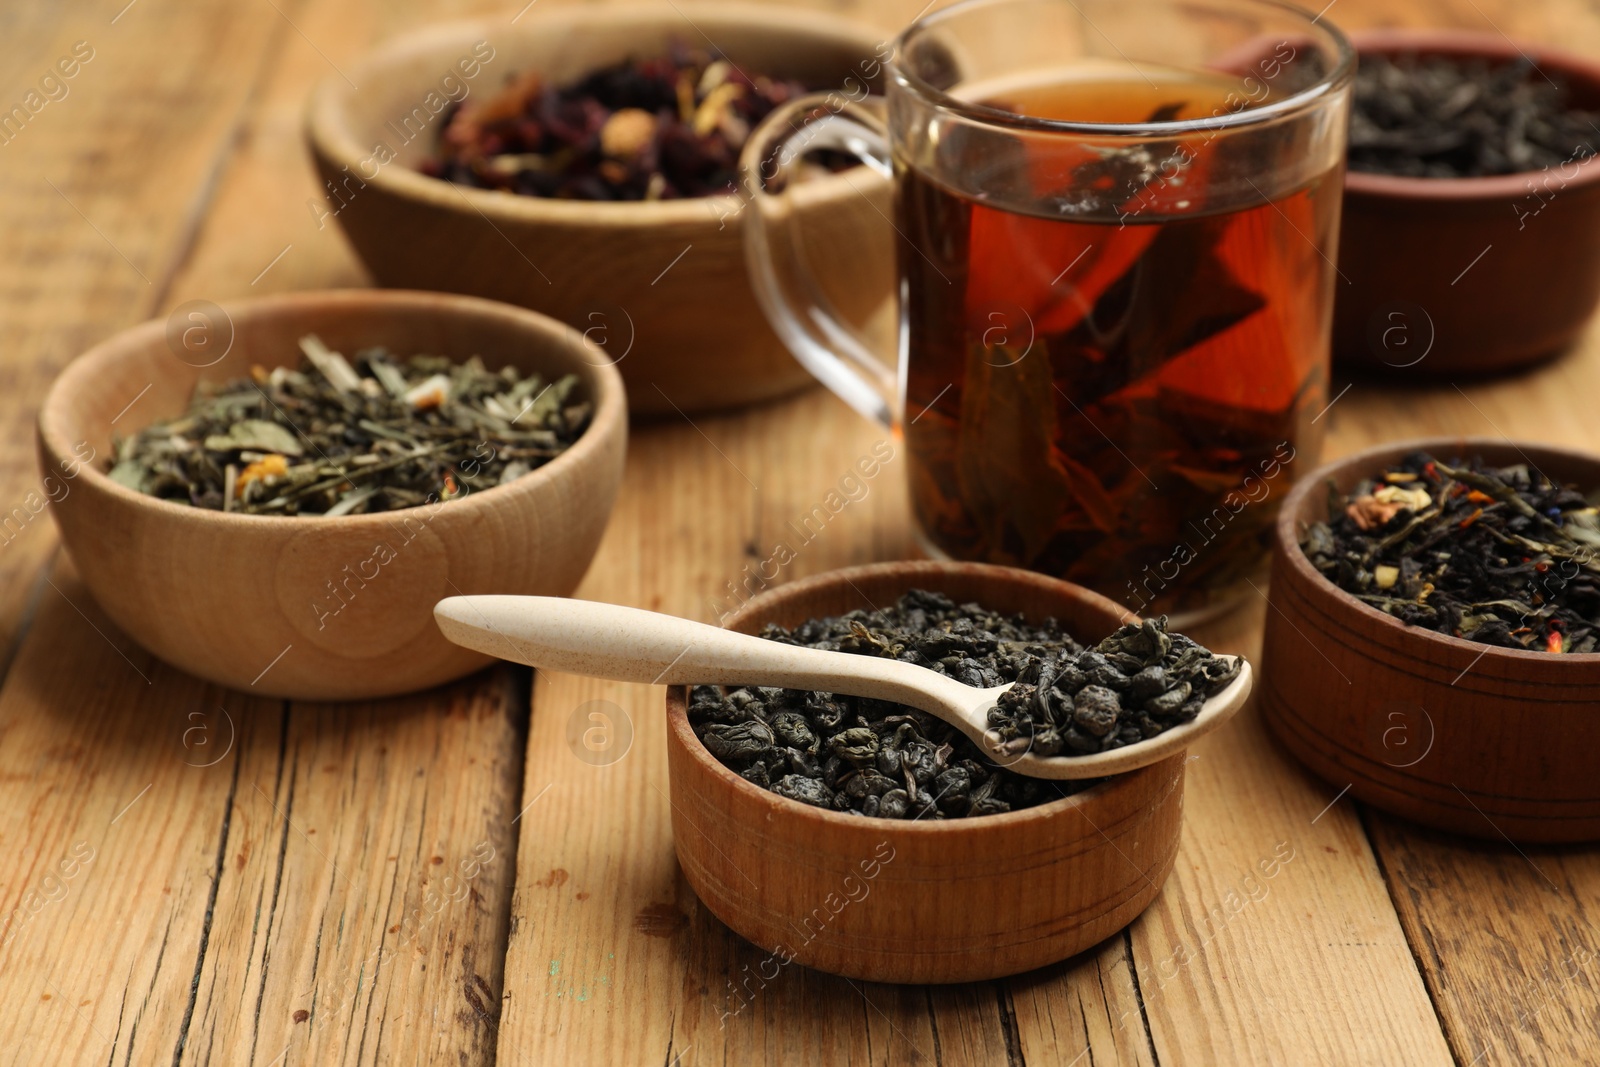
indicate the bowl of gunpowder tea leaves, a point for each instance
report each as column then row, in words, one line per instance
column 868, row 839
column 1434, row 638
column 1472, row 199
column 583, row 162
column 306, row 475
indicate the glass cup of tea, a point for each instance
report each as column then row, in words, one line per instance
column 1115, row 224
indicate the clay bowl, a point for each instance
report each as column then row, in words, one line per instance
column 224, row 596
column 1419, row 302
column 892, row 901
column 662, row 285
column 1462, row 736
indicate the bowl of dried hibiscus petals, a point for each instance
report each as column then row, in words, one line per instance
column 584, row 163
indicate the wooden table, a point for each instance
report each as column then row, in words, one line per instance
column 209, row 877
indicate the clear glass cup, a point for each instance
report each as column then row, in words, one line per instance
column 1115, row 222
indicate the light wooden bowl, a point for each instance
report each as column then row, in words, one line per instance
column 224, row 596
column 887, row 900
column 1467, row 737
column 662, row 285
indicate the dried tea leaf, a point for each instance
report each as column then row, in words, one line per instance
column 257, row 435
column 333, row 366
column 129, row 473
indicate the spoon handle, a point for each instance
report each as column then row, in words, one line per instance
column 633, row 645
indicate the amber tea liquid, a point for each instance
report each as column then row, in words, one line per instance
column 1113, row 362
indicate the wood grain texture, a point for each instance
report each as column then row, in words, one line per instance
column 101, row 196
column 1084, row 1010
column 1214, row 1008
column 365, row 884
column 1456, row 898
column 623, row 936
column 110, row 820
column 128, row 949
column 194, row 135
column 1267, row 862
column 1515, row 982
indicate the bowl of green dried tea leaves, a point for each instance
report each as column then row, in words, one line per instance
column 284, row 516
column 337, row 436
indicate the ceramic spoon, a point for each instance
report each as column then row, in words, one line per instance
column 632, row 645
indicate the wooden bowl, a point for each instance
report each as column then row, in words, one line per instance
column 306, row 607
column 1424, row 298
column 886, row 900
column 661, row 285
column 1463, row 736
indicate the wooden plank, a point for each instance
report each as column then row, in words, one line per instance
column 261, row 235
column 1507, row 938
column 201, row 868
column 1084, row 1010
column 364, row 901
column 602, row 833
column 103, row 763
column 597, row 891
column 115, row 778
column 437, row 957
column 1346, row 896
column 1500, row 948
column 1274, row 941
column 100, row 199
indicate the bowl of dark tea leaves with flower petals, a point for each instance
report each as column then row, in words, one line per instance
column 1434, row 638
column 273, row 494
column 881, row 848
column 1471, row 206
column 581, row 162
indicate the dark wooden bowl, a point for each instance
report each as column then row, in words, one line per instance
column 895, row 901
column 1416, row 300
column 1467, row 737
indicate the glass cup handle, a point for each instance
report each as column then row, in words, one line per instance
column 801, row 315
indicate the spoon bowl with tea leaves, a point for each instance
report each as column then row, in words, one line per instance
column 632, row 645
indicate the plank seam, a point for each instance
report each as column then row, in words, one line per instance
column 122, row 1009
column 933, row 1028
column 277, row 879
column 520, row 686
column 1364, row 817
column 519, row 695
column 211, row 907
column 1008, row 1026
column 672, row 1031
column 1138, row 995
column 417, row 863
